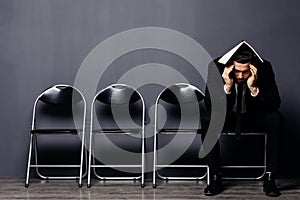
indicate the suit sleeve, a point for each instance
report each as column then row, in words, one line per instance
column 268, row 97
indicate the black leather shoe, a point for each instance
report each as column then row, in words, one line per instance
column 215, row 187
column 269, row 186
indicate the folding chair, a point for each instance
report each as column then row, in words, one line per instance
column 117, row 117
column 181, row 102
column 237, row 156
column 59, row 110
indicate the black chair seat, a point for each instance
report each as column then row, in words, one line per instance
column 174, row 130
column 117, row 131
column 55, row 131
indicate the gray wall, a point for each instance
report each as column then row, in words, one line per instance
column 43, row 42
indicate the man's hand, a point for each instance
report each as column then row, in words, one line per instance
column 252, row 80
column 227, row 79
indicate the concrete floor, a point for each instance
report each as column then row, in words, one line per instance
column 13, row 188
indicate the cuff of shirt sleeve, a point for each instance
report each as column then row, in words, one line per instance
column 226, row 90
column 257, row 91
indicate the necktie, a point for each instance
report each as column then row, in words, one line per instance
column 238, row 121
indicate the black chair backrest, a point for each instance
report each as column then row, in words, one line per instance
column 61, row 95
column 118, row 94
column 181, row 94
column 59, row 107
column 118, row 106
column 182, row 104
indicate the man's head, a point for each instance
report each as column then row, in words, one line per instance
column 241, row 62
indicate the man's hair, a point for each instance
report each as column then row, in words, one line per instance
column 243, row 57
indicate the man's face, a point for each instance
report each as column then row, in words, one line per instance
column 241, row 72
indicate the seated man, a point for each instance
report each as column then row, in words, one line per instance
column 252, row 103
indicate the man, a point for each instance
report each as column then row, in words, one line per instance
column 256, row 108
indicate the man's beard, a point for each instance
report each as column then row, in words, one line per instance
column 240, row 81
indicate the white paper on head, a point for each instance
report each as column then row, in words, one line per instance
column 224, row 59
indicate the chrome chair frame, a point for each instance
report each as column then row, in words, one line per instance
column 33, row 142
column 173, row 131
column 123, row 131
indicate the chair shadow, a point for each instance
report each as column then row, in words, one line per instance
column 288, row 187
column 288, row 182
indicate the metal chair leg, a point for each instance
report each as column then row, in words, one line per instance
column 29, row 161
column 89, row 162
column 81, row 161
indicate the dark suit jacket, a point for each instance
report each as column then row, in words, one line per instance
column 268, row 98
